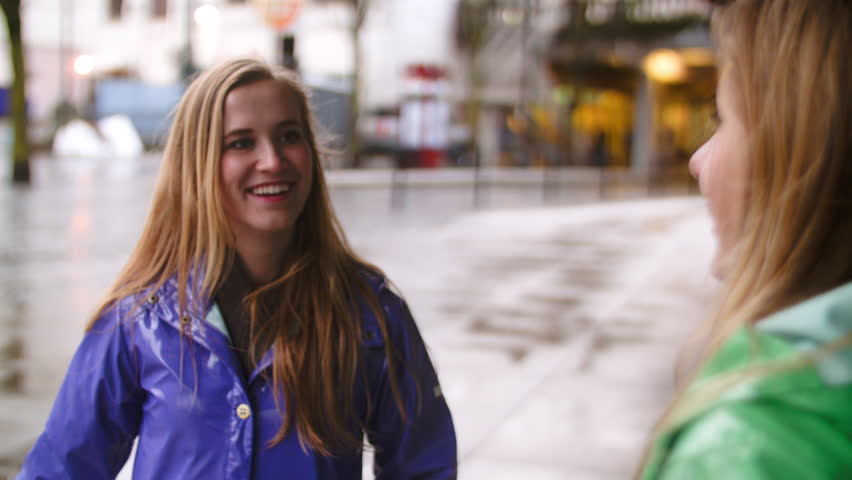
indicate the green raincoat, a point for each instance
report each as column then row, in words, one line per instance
column 781, row 424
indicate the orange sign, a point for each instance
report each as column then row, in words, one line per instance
column 278, row 14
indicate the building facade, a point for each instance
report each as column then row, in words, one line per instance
column 523, row 83
column 148, row 41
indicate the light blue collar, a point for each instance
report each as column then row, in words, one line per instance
column 215, row 318
column 815, row 323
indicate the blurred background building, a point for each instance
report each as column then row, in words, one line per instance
column 623, row 84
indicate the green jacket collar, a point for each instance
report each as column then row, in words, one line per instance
column 815, row 323
column 804, row 327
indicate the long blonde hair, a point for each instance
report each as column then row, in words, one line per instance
column 310, row 313
column 787, row 61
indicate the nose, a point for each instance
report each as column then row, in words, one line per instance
column 269, row 158
column 696, row 162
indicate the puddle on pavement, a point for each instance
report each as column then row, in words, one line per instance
column 556, row 299
column 515, row 353
column 549, row 335
column 506, row 265
column 454, row 309
column 608, row 341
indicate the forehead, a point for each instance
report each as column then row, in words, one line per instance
column 261, row 103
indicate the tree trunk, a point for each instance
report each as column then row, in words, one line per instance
column 21, row 149
column 477, row 32
column 353, row 149
column 476, row 82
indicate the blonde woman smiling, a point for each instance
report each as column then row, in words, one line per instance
column 244, row 339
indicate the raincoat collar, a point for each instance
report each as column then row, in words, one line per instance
column 200, row 320
column 214, row 319
column 164, row 302
column 205, row 321
column 815, row 323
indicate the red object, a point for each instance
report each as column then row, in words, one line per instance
column 278, row 14
column 424, row 115
column 429, row 158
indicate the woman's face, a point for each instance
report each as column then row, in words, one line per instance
column 266, row 162
column 720, row 168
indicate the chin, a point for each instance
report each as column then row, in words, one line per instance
column 273, row 230
column 717, row 271
column 275, row 225
column 721, row 266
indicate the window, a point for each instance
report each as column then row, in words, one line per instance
column 159, row 8
column 115, row 7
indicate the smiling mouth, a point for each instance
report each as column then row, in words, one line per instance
column 270, row 190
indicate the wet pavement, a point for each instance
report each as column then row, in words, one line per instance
column 555, row 330
column 554, row 323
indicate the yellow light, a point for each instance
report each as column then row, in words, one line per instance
column 665, row 66
column 84, row 64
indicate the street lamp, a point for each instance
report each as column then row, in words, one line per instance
column 206, row 22
column 84, row 65
column 206, row 15
column 665, row 66
column 280, row 14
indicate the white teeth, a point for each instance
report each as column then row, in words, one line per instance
column 269, row 190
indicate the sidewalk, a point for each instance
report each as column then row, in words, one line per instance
column 553, row 328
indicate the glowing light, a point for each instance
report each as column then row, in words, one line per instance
column 665, row 66
column 84, row 64
column 279, row 14
column 206, row 15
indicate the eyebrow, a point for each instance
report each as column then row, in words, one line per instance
column 245, row 131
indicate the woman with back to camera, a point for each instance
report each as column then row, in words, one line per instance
column 773, row 399
column 244, row 339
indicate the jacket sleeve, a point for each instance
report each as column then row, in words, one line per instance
column 95, row 417
column 758, row 440
column 422, row 445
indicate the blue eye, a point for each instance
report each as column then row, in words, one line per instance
column 240, row 144
column 292, row 136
